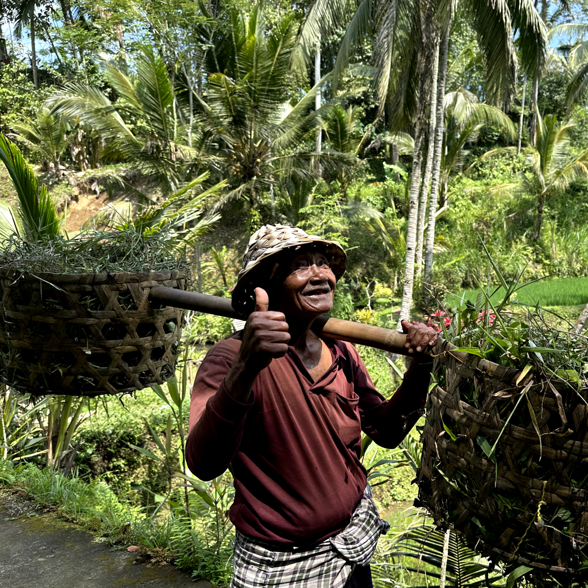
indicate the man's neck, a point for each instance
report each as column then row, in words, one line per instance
column 303, row 339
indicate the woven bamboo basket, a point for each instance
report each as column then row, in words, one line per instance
column 86, row 334
column 469, row 488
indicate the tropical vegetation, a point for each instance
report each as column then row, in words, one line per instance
column 437, row 140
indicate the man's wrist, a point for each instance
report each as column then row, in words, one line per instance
column 240, row 379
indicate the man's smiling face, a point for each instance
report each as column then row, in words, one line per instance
column 309, row 286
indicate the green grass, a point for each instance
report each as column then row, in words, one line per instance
column 563, row 292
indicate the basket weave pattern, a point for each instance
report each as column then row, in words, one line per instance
column 465, row 489
column 86, row 334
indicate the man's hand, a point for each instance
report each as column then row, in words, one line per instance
column 418, row 337
column 265, row 336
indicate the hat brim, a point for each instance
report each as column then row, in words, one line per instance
column 243, row 297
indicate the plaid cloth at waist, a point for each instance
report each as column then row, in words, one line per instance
column 327, row 565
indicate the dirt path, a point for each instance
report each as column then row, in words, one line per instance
column 41, row 551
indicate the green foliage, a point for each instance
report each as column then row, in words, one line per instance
column 567, row 292
column 18, row 98
column 19, row 427
column 208, row 329
column 37, row 214
column 46, row 137
column 446, row 554
column 91, row 504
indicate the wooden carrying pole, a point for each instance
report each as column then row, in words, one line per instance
column 332, row 328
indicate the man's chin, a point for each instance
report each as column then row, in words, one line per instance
column 317, row 307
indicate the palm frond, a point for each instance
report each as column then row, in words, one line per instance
column 10, row 224
column 46, row 136
column 24, row 13
column 37, row 210
column 359, row 28
column 571, row 32
column 155, row 94
column 425, row 543
column 577, row 86
column 323, row 17
column 493, row 24
column 531, row 34
column 578, row 55
column 90, row 105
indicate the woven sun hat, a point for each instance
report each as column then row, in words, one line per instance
column 267, row 242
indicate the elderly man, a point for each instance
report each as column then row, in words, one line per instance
column 286, row 409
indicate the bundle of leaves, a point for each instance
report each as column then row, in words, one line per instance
column 32, row 240
column 505, row 459
column 93, row 252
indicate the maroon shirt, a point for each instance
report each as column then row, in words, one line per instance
column 295, row 449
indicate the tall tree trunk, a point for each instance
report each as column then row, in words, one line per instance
column 540, row 206
column 121, row 41
column 53, row 47
column 522, row 117
column 394, row 153
column 535, row 91
column 533, row 108
column 3, row 49
column 413, row 206
column 34, row 50
column 429, row 162
column 317, row 99
column 439, row 119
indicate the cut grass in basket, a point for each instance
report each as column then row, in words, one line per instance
column 505, row 463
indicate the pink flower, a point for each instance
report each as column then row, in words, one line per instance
column 447, row 321
column 439, row 313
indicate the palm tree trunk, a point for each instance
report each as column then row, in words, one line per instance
column 413, row 206
column 34, row 50
column 539, row 215
column 429, row 163
column 443, row 52
column 317, row 99
column 522, row 117
column 535, row 96
column 533, row 122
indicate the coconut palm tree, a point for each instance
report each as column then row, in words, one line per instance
column 25, row 15
column 577, row 58
column 464, row 118
column 244, row 127
column 254, row 133
column 47, row 136
column 553, row 163
column 158, row 141
column 406, row 36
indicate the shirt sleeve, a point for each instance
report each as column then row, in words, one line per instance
column 217, row 420
column 388, row 422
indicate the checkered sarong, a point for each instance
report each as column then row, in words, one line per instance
column 328, row 565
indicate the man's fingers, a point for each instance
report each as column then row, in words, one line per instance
column 261, row 300
column 404, row 324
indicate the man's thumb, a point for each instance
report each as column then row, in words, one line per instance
column 261, row 300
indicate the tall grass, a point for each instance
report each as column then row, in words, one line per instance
column 200, row 545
